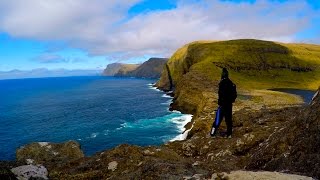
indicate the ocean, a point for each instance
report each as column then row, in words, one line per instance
column 98, row 112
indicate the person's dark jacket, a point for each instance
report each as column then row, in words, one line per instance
column 227, row 92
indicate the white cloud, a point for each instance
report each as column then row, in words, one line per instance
column 101, row 26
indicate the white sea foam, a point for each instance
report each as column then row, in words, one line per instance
column 181, row 122
column 167, row 96
column 155, row 88
column 168, row 102
column 178, row 112
column 123, row 125
column 43, row 144
column 182, row 136
column 94, row 135
column 151, row 86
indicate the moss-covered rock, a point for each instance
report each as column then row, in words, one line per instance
column 49, row 154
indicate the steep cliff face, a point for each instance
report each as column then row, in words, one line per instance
column 126, row 69
column 149, row 69
column 112, row 69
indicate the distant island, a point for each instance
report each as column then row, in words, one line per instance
column 43, row 72
column 149, row 69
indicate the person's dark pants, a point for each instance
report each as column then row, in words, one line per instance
column 226, row 113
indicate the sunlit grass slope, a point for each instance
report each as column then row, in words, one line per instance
column 253, row 64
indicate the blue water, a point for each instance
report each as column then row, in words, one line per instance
column 306, row 95
column 98, row 112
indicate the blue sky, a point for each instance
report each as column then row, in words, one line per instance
column 89, row 34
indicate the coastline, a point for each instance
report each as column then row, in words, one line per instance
column 183, row 126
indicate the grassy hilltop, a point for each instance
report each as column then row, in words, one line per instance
column 254, row 65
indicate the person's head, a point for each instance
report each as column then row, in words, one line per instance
column 225, row 73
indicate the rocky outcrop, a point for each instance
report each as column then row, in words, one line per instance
column 49, row 154
column 27, row 172
column 247, row 175
column 128, row 162
column 295, row 146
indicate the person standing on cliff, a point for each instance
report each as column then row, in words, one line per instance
column 227, row 95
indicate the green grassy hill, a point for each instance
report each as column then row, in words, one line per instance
column 252, row 63
column 194, row 70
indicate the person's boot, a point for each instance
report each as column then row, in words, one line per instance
column 214, row 132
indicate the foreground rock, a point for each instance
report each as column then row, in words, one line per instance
column 249, row 175
column 30, row 171
column 129, row 162
column 49, row 154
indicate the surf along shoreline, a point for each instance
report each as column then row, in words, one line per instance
column 186, row 125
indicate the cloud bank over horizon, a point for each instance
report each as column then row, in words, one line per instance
column 105, row 28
